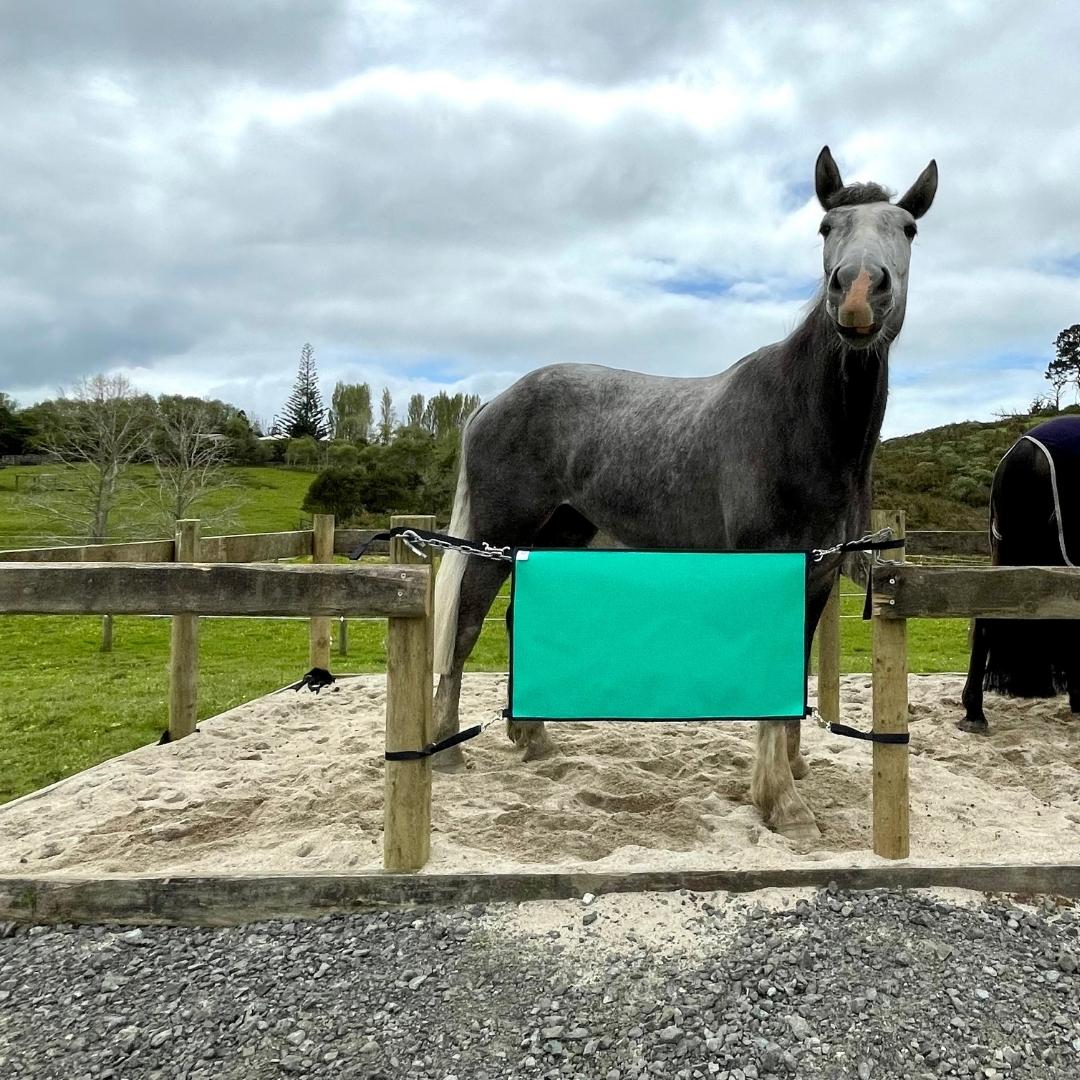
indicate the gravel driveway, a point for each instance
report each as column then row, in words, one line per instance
column 883, row 984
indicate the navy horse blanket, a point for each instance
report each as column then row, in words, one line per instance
column 1059, row 441
column 1039, row 526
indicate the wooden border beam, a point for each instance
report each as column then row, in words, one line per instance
column 227, row 900
column 220, row 589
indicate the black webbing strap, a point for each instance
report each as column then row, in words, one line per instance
column 895, row 738
column 870, row 545
column 423, row 534
column 434, row 747
column 314, row 680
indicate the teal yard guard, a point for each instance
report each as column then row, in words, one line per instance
column 657, row 635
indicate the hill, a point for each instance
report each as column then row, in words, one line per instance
column 942, row 476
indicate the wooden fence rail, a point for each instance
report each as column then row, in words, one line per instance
column 179, row 589
column 237, row 548
column 982, row 592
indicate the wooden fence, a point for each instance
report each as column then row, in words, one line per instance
column 189, row 585
column 920, row 543
column 320, row 543
column 403, row 593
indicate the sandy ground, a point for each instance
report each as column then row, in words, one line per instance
column 293, row 782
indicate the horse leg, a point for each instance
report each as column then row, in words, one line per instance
column 478, row 583
column 772, row 789
column 972, row 697
column 797, row 763
column 566, row 528
column 815, row 605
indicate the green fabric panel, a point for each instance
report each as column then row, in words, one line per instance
column 658, row 635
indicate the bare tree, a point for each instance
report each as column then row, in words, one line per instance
column 190, row 460
column 96, row 433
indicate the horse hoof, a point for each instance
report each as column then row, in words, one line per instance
column 538, row 749
column 449, row 761
column 976, row 727
column 799, row 768
column 800, row 830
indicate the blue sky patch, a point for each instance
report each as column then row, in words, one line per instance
column 714, row 287
column 796, row 195
column 704, row 287
column 1062, row 266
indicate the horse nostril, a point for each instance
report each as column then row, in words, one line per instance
column 834, row 281
column 885, row 284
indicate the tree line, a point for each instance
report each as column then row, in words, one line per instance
column 368, row 464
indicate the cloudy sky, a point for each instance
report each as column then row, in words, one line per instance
column 448, row 193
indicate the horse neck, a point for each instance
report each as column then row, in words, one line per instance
column 844, row 390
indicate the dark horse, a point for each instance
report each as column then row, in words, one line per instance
column 773, row 453
column 1034, row 521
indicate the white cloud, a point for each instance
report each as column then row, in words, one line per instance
column 453, row 193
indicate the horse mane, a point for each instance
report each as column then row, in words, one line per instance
column 858, row 194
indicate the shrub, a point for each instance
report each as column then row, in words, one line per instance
column 337, row 491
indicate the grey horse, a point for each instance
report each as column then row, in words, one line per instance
column 773, row 453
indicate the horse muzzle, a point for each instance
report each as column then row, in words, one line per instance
column 858, row 304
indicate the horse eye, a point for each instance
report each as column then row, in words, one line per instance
column 825, row 229
column 910, row 231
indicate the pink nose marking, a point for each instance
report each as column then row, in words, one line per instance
column 855, row 310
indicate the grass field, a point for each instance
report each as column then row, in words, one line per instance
column 262, row 500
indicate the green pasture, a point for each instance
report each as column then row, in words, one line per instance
column 260, row 500
column 64, row 705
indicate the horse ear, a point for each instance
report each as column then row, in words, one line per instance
column 827, row 179
column 920, row 195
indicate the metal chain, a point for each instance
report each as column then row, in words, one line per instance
column 414, row 543
column 845, row 545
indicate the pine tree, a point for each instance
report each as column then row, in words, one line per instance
column 304, row 414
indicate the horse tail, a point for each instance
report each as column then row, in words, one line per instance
column 452, row 568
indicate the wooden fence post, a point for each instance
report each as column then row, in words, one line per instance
column 184, row 646
column 343, row 636
column 106, row 633
column 828, row 673
column 322, row 551
column 409, row 725
column 891, row 796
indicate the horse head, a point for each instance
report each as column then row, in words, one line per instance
column 867, row 251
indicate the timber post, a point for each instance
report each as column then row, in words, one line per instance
column 343, row 636
column 322, row 551
column 828, row 669
column 409, row 722
column 891, row 836
column 184, row 646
